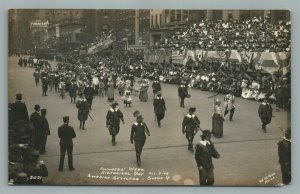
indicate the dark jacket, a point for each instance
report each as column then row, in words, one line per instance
column 113, row 117
column 45, row 130
column 35, row 119
column 35, row 174
column 159, row 105
column 88, row 92
column 156, row 86
column 19, row 111
column 66, row 133
column 138, row 131
column 265, row 110
column 204, row 154
column 182, row 91
column 284, row 152
column 190, row 123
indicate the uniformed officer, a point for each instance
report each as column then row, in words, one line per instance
column 66, row 133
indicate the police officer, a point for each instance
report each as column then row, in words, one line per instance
column 19, row 110
column 205, row 150
column 138, row 131
column 66, row 133
column 35, row 119
column 190, row 126
column 45, row 131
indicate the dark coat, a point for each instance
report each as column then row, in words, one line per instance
column 66, row 133
column 73, row 89
column 190, row 123
column 113, row 117
column 138, row 131
column 35, row 119
column 83, row 109
column 265, row 110
column 19, row 111
column 88, row 92
column 204, row 154
column 156, row 86
column 159, row 105
column 182, row 91
column 284, row 152
column 45, row 130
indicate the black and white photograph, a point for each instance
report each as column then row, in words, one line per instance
column 149, row 97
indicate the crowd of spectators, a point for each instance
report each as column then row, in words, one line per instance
column 252, row 35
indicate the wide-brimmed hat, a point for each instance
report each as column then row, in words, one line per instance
column 136, row 113
column 114, row 104
column 192, row 109
column 37, row 107
column 205, row 133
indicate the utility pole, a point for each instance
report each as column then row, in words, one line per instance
column 137, row 28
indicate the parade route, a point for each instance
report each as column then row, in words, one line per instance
column 248, row 156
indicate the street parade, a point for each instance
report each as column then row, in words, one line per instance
column 211, row 89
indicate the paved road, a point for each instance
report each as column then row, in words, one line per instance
column 248, row 156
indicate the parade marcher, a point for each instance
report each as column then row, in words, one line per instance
column 182, row 93
column 156, row 87
column 143, row 96
column 44, row 85
column 62, row 88
column 89, row 94
column 101, row 91
column 56, row 81
column 121, row 87
column 204, row 153
column 110, row 90
column 83, row 111
column 159, row 108
column 229, row 105
column 36, row 75
column 19, row 110
column 35, row 169
column 284, row 153
column 217, row 120
column 138, row 131
column 20, row 63
column 45, row 130
column 66, row 133
column 113, row 117
column 35, row 119
column 127, row 98
column 190, row 126
column 73, row 91
column 265, row 113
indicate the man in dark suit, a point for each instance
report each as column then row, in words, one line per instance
column 113, row 117
column 35, row 119
column 205, row 150
column 284, row 153
column 265, row 113
column 66, row 133
column 182, row 93
column 159, row 108
column 19, row 110
column 45, row 131
column 89, row 94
